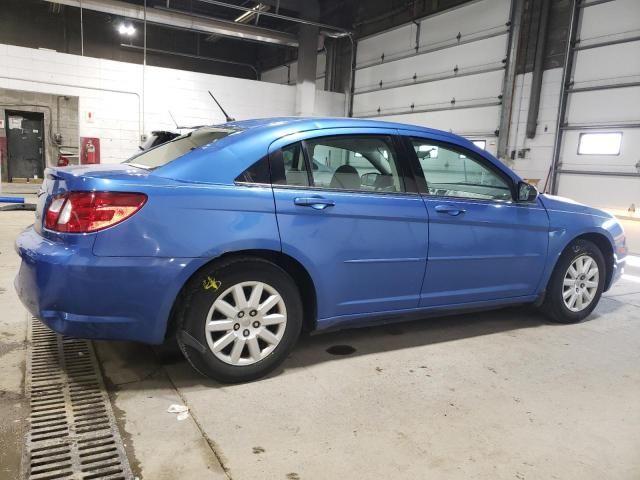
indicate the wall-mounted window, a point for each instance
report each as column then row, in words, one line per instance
column 600, row 143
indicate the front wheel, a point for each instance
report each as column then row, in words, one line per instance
column 239, row 320
column 576, row 283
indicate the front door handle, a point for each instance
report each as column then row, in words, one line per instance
column 450, row 209
column 318, row 203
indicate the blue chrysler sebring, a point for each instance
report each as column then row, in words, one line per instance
column 235, row 238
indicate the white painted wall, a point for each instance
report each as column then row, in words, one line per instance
column 113, row 92
column 329, row 104
column 288, row 74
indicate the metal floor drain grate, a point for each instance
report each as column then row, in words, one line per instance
column 72, row 433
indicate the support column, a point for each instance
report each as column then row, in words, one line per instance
column 517, row 9
column 306, row 80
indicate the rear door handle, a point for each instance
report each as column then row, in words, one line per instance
column 450, row 209
column 318, row 203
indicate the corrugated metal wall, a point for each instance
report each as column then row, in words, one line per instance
column 445, row 71
column 603, row 95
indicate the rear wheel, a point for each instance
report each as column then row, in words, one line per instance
column 239, row 320
column 576, row 284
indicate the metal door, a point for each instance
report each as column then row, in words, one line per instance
column 481, row 247
column 365, row 250
column 25, row 145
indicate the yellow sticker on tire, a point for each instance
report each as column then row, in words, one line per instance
column 210, row 283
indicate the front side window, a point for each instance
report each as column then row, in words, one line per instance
column 354, row 162
column 455, row 173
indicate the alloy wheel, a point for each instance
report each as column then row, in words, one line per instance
column 246, row 323
column 580, row 283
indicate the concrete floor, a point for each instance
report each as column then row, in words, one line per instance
column 492, row 395
column 632, row 231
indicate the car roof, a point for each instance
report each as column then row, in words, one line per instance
column 252, row 139
column 319, row 123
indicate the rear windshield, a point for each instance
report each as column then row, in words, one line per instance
column 158, row 138
column 167, row 152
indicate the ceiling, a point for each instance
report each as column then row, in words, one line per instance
column 38, row 23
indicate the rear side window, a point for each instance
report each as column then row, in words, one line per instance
column 354, row 162
column 256, row 173
column 167, row 152
column 345, row 162
column 290, row 166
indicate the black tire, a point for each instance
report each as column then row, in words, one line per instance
column 553, row 305
column 197, row 300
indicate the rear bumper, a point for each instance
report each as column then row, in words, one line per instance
column 82, row 295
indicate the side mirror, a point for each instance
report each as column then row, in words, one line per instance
column 424, row 154
column 369, row 179
column 526, row 192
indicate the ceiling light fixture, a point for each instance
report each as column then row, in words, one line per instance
column 128, row 30
column 334, row 33
column 247, row 16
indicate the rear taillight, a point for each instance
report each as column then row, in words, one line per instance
column 83, row 212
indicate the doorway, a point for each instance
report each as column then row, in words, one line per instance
column 25, row 145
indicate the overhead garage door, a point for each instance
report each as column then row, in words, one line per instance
column 599, row 153
column 445, row 71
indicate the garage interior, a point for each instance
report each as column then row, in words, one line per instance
column 549, row 87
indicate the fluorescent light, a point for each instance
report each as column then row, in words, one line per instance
column 128, row 30
column 249, row 14
column 334, row 33
column 600, row 143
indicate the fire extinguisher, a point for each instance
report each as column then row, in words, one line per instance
column 63, row 161
column 90, row 152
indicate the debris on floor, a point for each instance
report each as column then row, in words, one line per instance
column 181, row 410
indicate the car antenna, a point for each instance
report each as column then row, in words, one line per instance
column 178, row 127
column 226, row 115
column 174, row 120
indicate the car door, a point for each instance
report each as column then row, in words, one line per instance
column 348, row 211
column 483, row 245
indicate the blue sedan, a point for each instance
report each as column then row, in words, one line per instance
column 235, row 238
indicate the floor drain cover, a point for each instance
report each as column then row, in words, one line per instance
column 72, row 433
